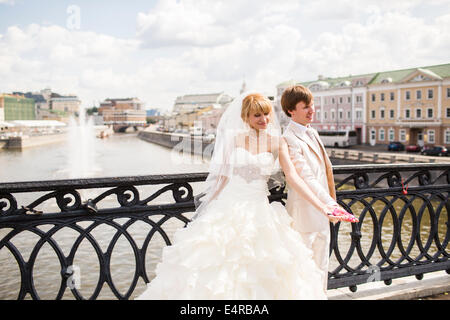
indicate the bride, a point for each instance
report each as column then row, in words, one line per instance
column 239, row 246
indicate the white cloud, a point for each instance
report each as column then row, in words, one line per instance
column 202, row 46
column 9, row 2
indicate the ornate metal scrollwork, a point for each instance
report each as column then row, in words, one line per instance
column 361, row 180
column 394, row 179
column 182, row 192
column 377, row 242
column 424, row 178
column 63, row 200
column 124, row 197
column 7, row 200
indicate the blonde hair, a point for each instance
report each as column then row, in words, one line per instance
column 255, row 102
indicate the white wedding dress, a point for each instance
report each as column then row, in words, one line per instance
column 242, row 247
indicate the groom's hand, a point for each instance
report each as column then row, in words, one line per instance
column 328, row 210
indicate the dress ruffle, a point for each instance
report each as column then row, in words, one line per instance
column 242, row 248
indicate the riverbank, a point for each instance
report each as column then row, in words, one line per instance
column 338, row 156
column 433, row 284
column 25, row 141
column 196, row 145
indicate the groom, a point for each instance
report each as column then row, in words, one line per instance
column 313, row 165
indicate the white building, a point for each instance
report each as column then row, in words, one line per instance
column 70, row 104
column 191, row 102
column 340, row 103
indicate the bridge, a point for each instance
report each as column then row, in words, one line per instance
column 403, row 229
column 122, row 126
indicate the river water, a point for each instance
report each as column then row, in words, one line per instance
column 118, row 155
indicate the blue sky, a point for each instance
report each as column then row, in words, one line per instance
column 159, row 49
column 112, row 17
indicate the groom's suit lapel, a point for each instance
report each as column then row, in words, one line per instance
column 303, row 137
column 327, row 162
column 328, row 168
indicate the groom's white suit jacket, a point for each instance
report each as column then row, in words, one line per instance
column 313, row 165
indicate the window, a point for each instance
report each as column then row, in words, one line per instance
column 391, row 114
column 325, row 115
column 359, row 114
column 332, row 115
column 340, row 100
column 382, row 114
column 408, row 95
column 418, row 113
column 391, row 135
column 318, row 115
column 373, row 134
column 448, row 92
column 373, row 97
column 358, row 98
column 403, row 135
column 448, row 113
column 430, row 113
column 332, row 100
column 349, row 99
column 382, row 97
column 447, row 137
column 392, row 96
column 381, row 135
column 431, row 136
column 419, row 94
column 407, row 113
column 341, row 115
column 349, row 115
column 430, row 93
column 372, row 115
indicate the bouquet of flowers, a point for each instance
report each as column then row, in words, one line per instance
column 343, row 215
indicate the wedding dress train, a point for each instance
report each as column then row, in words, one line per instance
column 242, row 247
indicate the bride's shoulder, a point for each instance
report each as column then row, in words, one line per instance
column 274, row 142
column 241, row 138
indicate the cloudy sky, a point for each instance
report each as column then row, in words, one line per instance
column 159, row 49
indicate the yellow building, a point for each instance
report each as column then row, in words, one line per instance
column 411, row 106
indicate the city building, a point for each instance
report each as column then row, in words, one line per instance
column 123, row 112
column 67, row 104
column 153, row 112
column 120, row 104
column 130, row 117
column 16, row 107
column 340, row 103
column 210, row 119
column 52, row 106
column 193, row 109
column 2, row 109
column 411, row 106
column 191, row 102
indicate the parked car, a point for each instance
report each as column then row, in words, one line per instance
column 425, row 147
column 413, row 148
column 436, row 151
column 396, row 146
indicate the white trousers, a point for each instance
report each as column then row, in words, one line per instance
column 319, row 243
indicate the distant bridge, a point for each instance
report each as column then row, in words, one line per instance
column 122, row 126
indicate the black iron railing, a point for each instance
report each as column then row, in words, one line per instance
column 399, row 233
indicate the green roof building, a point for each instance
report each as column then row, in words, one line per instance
column 408, row 105
column 16, row 107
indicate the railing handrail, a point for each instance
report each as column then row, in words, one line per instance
column 46, row 185
column 429, row 185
